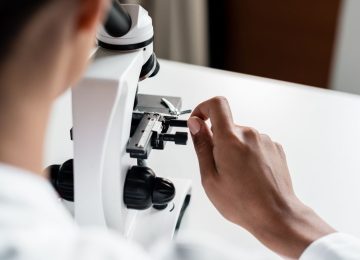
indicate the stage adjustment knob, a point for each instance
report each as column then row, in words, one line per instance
column 62, row 179
column 143, row 189
column 180, row 138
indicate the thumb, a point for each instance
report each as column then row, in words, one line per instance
column 203, row 143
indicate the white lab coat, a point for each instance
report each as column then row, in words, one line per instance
column 34, row 225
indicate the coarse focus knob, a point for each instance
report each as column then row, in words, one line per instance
column 143, row 189
column 62, row 179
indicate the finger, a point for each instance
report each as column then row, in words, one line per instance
column 218, row 111
column 203, row 144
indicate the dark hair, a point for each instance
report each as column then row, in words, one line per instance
column 13, row 16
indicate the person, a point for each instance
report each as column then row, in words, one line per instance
column 44, row 48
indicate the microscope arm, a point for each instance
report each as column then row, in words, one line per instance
column 102, row 111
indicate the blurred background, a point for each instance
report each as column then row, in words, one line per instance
column 316, row 43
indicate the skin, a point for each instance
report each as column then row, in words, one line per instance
column 245, row 175
column 243, row 172
column 49, row 55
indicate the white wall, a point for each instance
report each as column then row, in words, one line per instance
column 346, row 69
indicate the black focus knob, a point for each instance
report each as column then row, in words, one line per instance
column 143, row 189
column 180, row 138
column 62, row 179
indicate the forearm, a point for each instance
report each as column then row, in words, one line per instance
column 291, row 231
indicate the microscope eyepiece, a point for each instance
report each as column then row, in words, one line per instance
column 127, row 27
column 118, row 22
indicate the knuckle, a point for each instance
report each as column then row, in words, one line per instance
column 219, row 100
column 250, row 133
column 266, row 140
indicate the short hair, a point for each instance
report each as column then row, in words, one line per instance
column 14, row 14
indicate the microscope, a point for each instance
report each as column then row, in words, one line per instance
column 109, row 183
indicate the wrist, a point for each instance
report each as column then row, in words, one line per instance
column 291, row 230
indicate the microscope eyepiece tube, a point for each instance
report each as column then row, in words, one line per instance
column 118, row 22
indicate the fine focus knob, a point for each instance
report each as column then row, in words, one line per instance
column 62, row 179
column 143, row 189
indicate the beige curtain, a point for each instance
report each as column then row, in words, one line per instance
column 181, row 31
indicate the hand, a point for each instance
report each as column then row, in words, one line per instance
column 245, row 175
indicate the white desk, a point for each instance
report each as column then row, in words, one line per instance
column 319, row 129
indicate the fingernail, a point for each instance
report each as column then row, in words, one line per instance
column 194, row 125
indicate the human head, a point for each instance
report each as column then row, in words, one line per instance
column 46, row 41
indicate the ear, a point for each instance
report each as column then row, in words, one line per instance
column 90, row 13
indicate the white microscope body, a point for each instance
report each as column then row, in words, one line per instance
column 103, row 109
